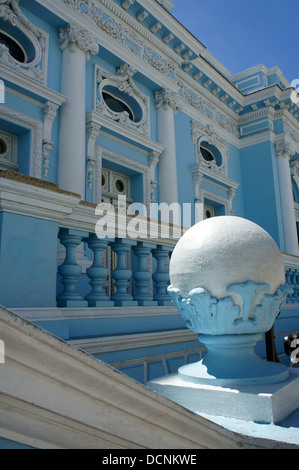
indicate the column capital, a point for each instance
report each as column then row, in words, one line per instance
column 284, row 149
column 73, row 37
column 167, row 98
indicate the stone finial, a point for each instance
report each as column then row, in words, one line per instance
column 228, row 282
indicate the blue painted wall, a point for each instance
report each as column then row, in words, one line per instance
column 260, row 189
column 28, row 253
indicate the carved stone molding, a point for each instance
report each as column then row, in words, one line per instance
column 35, row 69
column 154, row 158
column 93, row 131
column 284, row 149
column 50, row 112
column 208, row 134
column 123, row 82
column 167, row 99
column 73, row 37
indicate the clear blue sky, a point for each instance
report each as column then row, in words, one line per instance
column 245, row 33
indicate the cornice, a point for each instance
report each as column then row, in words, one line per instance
column 173, row 25
column 267, row 111
column 228, row 98
column 40, row 91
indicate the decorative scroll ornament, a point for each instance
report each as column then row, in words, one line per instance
column 123, row 82
column 208, row 134
column 72, row 36
column 11, row 13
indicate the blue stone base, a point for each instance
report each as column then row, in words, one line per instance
column 269, row 403
column 72, row 303
column 147, row 303
column 125, row 303
column 165, row 303
column 100, row 303
column 231, row 361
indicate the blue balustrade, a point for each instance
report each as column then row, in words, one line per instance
column 98, row 273
column 122, row 274
column 70, row 270
column 292, row 278
column 142, row 275
column 149, row 288
column 161, row 276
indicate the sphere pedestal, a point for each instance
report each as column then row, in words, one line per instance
column 231, row 361
column 228, row 283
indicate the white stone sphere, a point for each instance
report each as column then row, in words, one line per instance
column 225, row 250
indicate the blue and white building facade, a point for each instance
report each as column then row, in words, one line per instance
column 114, row 101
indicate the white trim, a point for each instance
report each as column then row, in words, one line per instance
column 37, row 314
column 32, row 86
column 134, row 341
column 26, row 199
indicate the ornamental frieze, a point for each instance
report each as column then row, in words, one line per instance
column 125, row 36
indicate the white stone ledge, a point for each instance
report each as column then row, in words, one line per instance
column 55, row 396
column 133, row 341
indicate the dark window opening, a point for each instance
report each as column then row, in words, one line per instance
column 116, row 105
column 3, row 147
column 119, row 186
column 14, row 49
column 207, row 155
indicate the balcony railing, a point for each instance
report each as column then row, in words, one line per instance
column 123, row 272
column 292, row 277
column 126, row 272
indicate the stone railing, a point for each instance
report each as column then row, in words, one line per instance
column 136, row 276
column 292, row 277
column 108, row 264
column 126, row 272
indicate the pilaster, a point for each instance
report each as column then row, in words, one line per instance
column 284, row 151
column 77, row 46
column 167, row 104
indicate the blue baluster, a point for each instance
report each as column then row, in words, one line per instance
column 288, row 272
column 98, row 273
column 70, row 270
column 142, row 276
column 122, row 274
column 161, row 276
column 293, row 285
column 296, row 286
